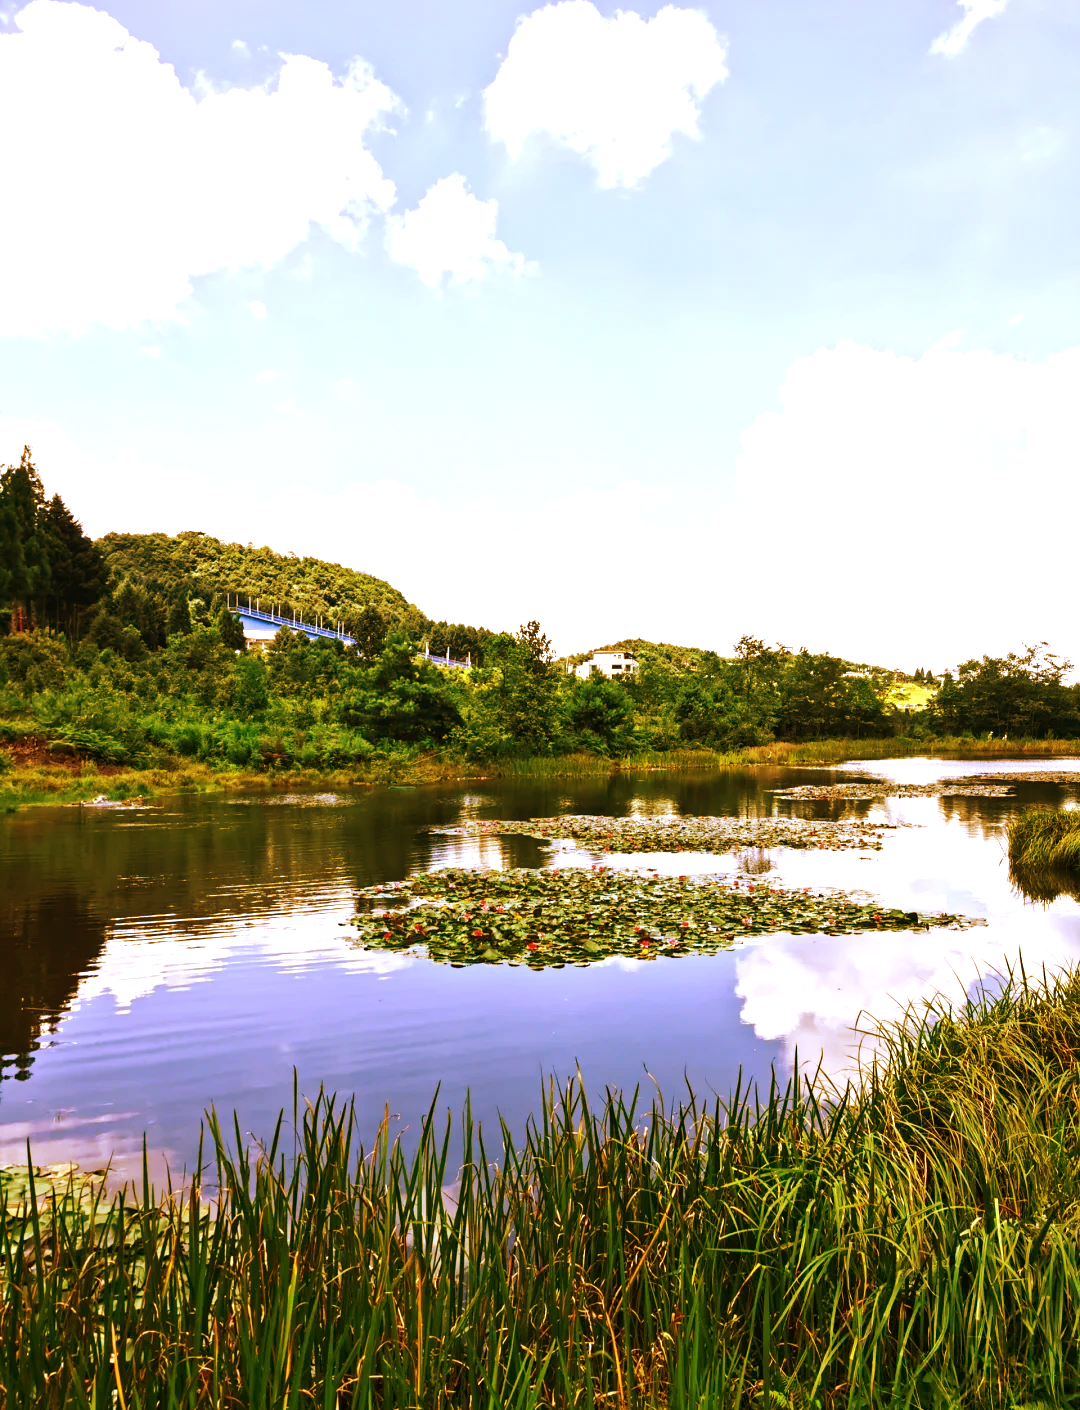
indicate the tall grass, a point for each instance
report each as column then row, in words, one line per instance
column 567, row 765
column 1044, row 853
column 910, row 1242
column 836, row 751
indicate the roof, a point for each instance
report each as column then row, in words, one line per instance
column 613, row 651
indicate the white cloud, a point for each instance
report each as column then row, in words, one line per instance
column 268, row 374
column 909, row 511
column 256, row 308
column 615, row 90
column 154, row 352
column 451, row 232
column 288, row 407
column 129, row 185
column 954, row 40
column 910, row 496
column 239, row 47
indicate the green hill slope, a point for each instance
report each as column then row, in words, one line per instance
column 307, row 585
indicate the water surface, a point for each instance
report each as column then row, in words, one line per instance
column 154, row 962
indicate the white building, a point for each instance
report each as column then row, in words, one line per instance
column 609, row 663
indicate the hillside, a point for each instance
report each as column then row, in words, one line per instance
column 308, row 585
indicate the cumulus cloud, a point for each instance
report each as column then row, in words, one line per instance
column 954, row 40
column 256, row 308
column 450, row 233
column 913, row 491
column 615, row 90
column 129, row 185
column 901, row 510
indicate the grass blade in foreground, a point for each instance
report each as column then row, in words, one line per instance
column 914, row 1242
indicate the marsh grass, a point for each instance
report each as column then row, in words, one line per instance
column 837, row 751
column 912, row 1241
column 1044, row 853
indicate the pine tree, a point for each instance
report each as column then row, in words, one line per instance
column 22, row 519
column 369, row 631
column 231, row 631
column 179, row 619
column 77, row 567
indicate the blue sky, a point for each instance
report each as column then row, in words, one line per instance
column 670, row 321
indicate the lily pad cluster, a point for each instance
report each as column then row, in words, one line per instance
column 553, row 917
column 886, row 788
column 681, row 834
column 1035, row 776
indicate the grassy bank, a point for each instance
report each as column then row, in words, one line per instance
column 838, row 751
column 72, row 780
column 914, row 1242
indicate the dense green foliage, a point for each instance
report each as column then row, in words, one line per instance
column 51, row 573
column 280, row 582
column 910, row 1242
column 131, row 644
column 1018, row 695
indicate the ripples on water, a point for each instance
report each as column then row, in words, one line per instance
column 158, row 961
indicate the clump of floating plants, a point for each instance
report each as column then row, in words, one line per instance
column 886, row 788
column 680, row 834
column 546, row 918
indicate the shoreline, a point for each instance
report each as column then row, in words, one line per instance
column 82, row 781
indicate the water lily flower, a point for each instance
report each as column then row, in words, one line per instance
column 418, row 928
column 684, row 925
column 386, row 935
column 532, row 945
column 477, row 934
column 500, row 908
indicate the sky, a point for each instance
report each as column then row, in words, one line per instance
column 662, row 322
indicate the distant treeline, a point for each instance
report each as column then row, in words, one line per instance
column 126, row 649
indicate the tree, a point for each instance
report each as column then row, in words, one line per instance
column 231, row 631
column 402, row 697
column 77, row 574
column 601, row 712
column 178, row 622
column 369, row 632
column 22, row 510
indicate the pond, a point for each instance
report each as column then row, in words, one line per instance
column 156, row 960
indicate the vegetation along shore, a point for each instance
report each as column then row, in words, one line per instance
column 124, row 671
column 909, row 1241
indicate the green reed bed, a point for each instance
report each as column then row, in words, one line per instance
column 836, row 751
column 1039, row 838
column 910, row 1242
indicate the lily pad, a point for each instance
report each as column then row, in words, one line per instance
column 578, row 916
column 887, row 788
column 681, row 834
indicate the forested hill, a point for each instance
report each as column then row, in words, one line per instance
column 212, row 568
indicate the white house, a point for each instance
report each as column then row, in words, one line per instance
column 609, row 663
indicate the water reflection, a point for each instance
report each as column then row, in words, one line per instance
column 160, row 961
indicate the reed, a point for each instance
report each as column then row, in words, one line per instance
column 1038, row 837
column 910, row 1241
column 836, row 751
column 582, row 764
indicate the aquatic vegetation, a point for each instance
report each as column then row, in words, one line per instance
column 988, row 787
column 1038, row 838
column 912, row 1241
column 680, row 833
column 576, row 916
